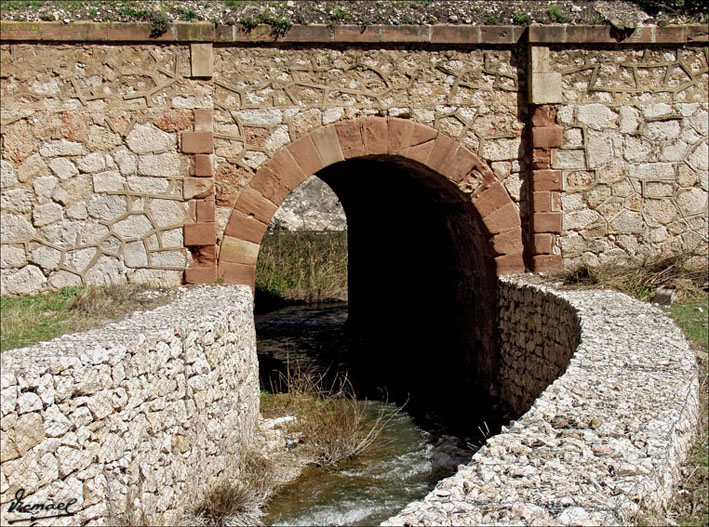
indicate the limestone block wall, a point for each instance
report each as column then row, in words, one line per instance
column 139, row 416
column 537, row 332
column 92, row 173
column 634, row 156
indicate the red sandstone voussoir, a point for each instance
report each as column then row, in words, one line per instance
column 375, row 135
column 546, row 136
column 201, row 275
column 547, row 222
column 508, row 242
column 350, row 135
column 239, row 274
column 285, row 168
column 305, row 154
column 269, row 185
column 327, row 144
column 509, row 264
column 197, row 142
column 245, row 227
column 491, row 199
column 546, row 180
column 546, row 262
column 502, row 219
column 444, row 148
column 460, row 165
column 252, row 203
column 400, row 131
column 200, row 234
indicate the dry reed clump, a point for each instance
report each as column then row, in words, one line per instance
column 238, row 501
column 334, row 426
column 686, row 275
column 115, row 300
column 303, row 266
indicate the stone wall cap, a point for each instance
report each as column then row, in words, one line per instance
column 13, row 31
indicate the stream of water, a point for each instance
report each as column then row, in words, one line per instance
column 403, row 465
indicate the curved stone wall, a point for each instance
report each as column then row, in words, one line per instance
column 137, row 417
column 603, row 440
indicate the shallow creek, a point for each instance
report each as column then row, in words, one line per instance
column 404, row 464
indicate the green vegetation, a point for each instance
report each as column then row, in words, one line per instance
column 521, row 19
column 556, row 15
column 30, row 319
column 159, row 22
column 187, row 14
column 491, row 21
column 303, row 266
column 13, row 5
column 690, row 505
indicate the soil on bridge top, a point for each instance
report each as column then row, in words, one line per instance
column 282, row 14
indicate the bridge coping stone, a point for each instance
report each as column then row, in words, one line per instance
column 602, row 440
column 318, row 33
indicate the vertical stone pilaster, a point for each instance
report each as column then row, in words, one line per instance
column 545, row 185
column 201, row 233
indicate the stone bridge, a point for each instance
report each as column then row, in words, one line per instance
column 455, row 150
column 459, row 153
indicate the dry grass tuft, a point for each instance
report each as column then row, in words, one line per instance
column 678, row 273
column 333, row 424
column 303, row 266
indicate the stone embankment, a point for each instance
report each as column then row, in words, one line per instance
column 126, row 418
column 604, row 440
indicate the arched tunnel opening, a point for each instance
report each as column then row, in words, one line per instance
column 421, row 314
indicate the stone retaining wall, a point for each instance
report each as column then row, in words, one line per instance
column 601, row 442
column 137, row 417
column 538, row 332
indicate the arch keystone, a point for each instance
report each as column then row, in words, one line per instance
column 400, row 131
column 375, row 134
column 350, row 135
column 327, row 144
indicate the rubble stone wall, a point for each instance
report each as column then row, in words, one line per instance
column 604, row 439
column 136, row 419
column 634, row 155
column 538, row 332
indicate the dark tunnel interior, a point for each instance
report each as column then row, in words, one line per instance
column 422, row 290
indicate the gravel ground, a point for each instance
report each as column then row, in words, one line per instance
column 282, row 14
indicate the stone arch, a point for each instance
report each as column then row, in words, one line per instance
column 366, row 137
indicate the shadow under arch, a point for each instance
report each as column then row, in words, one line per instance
column 429, row 228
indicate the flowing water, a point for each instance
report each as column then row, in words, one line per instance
column 405, row 462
